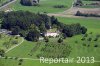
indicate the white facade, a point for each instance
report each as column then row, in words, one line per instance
column 52, row 34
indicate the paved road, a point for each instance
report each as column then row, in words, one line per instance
column 7, row 4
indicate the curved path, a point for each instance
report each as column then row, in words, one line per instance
column 15, row 45
column 7, row 4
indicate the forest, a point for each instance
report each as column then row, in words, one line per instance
column 31, row 25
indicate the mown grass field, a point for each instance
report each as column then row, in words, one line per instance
column 78, row 49
column 89, row 6
column 3, row 1
column 45, row 6
column 6, row 41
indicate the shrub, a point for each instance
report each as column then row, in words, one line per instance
column 83, row 39
column 84, row 30
column 46, row 39
column 76, row 41
column 89, row 39
column 60, row 40
column 95, row 45
column 86, row 35
column 59, row 6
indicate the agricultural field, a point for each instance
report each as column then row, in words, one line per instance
column 87, row 2
column 44, row 6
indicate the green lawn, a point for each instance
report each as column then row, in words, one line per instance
column 89, row 6
column 11, row 62
column 23, row 50
column 91, row 24
column 3, row 1
column 78, row 49
column 45, row 6
column 6, row 41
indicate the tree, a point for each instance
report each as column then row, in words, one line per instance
column 96, row 39
column 33, row 35
column 0, row 36
column 64, row 36
column 68, row 32
column 40, row 22
column 15, row 30
column 2, row 52
column 83, row 39
column 1, row 14
column 42, row 28
column 60, row 40
column 89, row 39
column 78, row 13
column 46, row 39
column 84, row 30
column 38, row 1
column 78, row 3
column 20, row 62
column 6, row 44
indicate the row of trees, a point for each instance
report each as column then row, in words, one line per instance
column 31, row 25
column 86, row 14
column 73, row 29
column 78, row 3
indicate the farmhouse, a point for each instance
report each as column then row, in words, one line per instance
column 52, row 34
column 4, row 31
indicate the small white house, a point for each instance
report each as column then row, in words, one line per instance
column 8, row 10
column 51, row 34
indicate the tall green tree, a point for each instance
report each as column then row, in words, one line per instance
column 33, row 35
column 2, row 52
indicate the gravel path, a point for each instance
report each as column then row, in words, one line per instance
column 15, row 45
